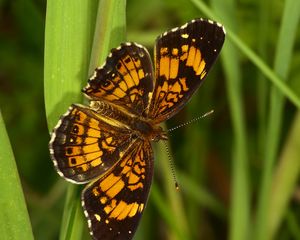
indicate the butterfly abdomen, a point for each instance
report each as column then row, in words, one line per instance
column 109, row 111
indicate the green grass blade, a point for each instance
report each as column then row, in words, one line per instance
column 68, row 41
column 263, row 36
column 283, row 55
column 14, row 219
column 70, row 31
column 110, row 30
column 240, row 195
column 254, row 58
column 173, row 197
column 201, row 196
column 285, row 178
column 240, row 186
column 167, row 213
column 293, row 224
column 72, row 220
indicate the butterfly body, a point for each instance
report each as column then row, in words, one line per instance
column 139, row 126
column 108, row 143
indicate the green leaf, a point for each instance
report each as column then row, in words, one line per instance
column 14, row 219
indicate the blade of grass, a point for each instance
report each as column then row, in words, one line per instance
column 283, row 55
column 256, row 60
column 166, row 211
column 263, row 36
column 201, row 196
column 68, row 39
column 285, row 178
column 110, row 30
column 293, row 224
column 14, row 219
column 72, row 229
column 173, row 197
column 240, row 192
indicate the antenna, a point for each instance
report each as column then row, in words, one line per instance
column 171, row 165
column 191, row 121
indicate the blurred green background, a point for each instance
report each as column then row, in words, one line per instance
column 238, row 169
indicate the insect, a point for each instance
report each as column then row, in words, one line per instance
column 108, row 143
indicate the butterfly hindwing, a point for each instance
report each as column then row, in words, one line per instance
column 183, row 57
column 84, row 146
column 114, row 203
column 126, row 79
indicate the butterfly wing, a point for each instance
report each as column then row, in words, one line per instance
column 125, row 79
column 183, row 57
column 114, row 203
column 84, row 145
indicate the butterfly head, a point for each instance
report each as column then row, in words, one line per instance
column 158, row 134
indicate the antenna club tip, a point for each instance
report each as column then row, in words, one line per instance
column 208, row 113
column 177, row 186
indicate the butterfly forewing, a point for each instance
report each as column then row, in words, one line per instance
column 114, row 203
column 183, row 57
column 126, row 79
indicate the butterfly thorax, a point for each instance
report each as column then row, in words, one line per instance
column 146, row 130
column 139, row 126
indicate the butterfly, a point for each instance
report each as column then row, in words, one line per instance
column 108, row 143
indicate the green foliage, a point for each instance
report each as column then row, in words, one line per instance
column 247, row 152
column 12, row 203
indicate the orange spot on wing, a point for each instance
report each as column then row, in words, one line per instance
column 133, row 178
column 136, row 186
column 183, row 83
column 118, row 209
column 133, row 210
column 191, row 56
column 115, row 189
column 123, row 85
column 164, row 65
column 108, row 181
column 119, row 92
column 174, row 66
column 91, row 132
column 201, row 69
column 90, row 148
column 197, row 60
column 125, row 212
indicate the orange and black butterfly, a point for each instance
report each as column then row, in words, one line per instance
column 108, row 143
